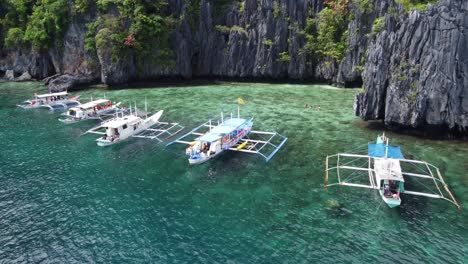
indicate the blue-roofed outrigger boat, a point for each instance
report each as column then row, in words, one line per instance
column 385, row 169
column 234, row 133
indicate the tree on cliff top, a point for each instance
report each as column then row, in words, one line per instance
column 38, row 23
column 326, row 33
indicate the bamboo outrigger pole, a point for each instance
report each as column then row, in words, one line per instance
column 448, row 191
column 326, row 173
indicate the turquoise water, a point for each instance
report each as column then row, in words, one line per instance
column 65, row 200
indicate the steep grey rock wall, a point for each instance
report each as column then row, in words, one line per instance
column 414, row 71
column 416, row 74
column 201, row 50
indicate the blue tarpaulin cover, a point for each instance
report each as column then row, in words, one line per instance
column 379, row 150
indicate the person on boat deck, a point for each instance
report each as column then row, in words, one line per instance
column 384, row 138
column 393, row 185
column 387, row 192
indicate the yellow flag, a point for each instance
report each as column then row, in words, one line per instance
column 240, row 101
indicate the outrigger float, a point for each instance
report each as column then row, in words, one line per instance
column 97, row 109
column 235, row 134
column 123, row 127
column 53, row 101
column 385, row 169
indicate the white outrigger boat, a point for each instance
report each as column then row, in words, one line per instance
column 232, row 134
column 385, row 169
column 123, row 127
column 97, row 109
column 53, row 101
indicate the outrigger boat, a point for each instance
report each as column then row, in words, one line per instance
column 385, row 169
column 233, row 134
column 53, row 101
column 97, row 109
column 123, row 127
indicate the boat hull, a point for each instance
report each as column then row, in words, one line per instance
column 69, row 120
column 145, row 125
column 105, row 143
column 390, row 201
column 53, row 107
column 202, row 159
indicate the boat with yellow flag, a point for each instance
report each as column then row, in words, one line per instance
column 234, row 133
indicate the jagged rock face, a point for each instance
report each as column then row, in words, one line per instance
column 201, row 50
column 243, row 51
column 36, row 63
column 67, row 81
column 416, row 73
column 359, row 38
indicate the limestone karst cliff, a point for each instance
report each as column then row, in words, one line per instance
column 416, row 72
column 411, row 64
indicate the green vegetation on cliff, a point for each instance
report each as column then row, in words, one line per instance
column 326, row 33
column 138, row 25
column 40, row 24
column 138, row 28
column 420, row 5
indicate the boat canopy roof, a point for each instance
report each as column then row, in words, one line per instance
column 51, row 94
column 119, row 122
column 388, row 169
column 210, row 137
column 93, row 103
column 222, row 129
column 379, row 150
column 228, row 126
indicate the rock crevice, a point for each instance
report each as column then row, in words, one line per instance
column 416, row 73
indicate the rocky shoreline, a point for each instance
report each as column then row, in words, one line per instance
column 413, row 66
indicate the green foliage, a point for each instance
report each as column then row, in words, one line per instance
column 14, row 38
column 16, row 13
column 365, row 6
column 412, row 96
column 392, row 11
column 359, row 68
column 242, row 6
column 284, row 57
column 90, row 41
column 309, row 33
column 240, row 30
column 47, row 23
column 331, row 34
column 223, row 29
column 276, row 9
column 378, row 26
column 363, row 60
column 326, row 33
column 268, row 42
column 140, row 28
column 420, row 5
column 81, row 6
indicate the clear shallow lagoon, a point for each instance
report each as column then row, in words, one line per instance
column 65, row 200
